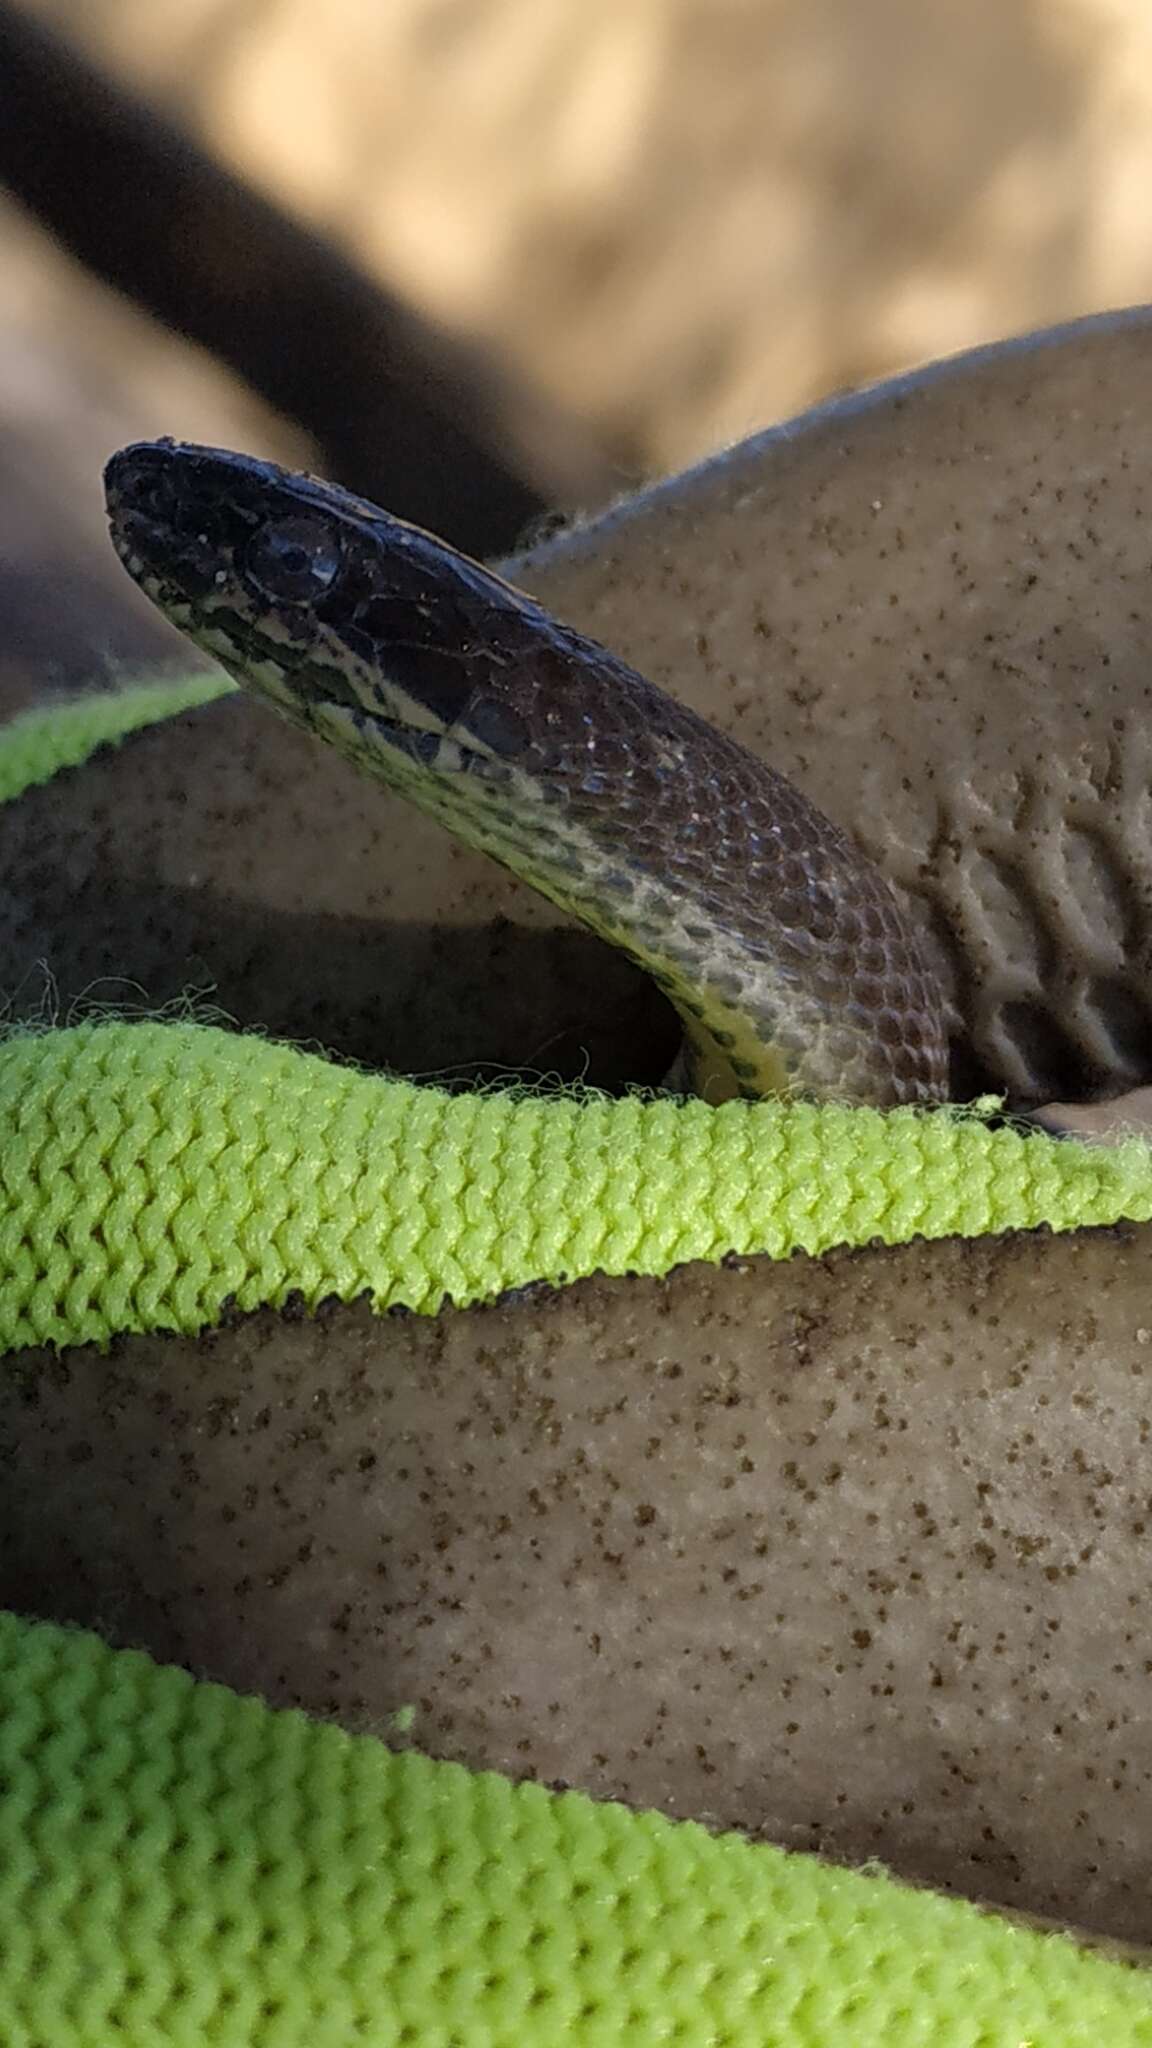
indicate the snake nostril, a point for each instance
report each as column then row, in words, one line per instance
column 141, row 489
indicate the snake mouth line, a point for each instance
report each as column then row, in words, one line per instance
column 313, row 695
column 342, row 716
column 440, row 752
column 540, row 748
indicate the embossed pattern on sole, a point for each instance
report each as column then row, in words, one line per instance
column 930, row 605
column 1037, row 898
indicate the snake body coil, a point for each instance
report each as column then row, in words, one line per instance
column 785, row 951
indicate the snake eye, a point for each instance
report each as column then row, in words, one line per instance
column 294, row 560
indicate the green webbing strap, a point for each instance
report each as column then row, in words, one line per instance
column 179, row 1865
column 151, row 1171
column 39, row 744
column 182, row 1866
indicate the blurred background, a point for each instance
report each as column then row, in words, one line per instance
column 497, row 260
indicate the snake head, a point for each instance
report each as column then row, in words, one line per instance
column 784, row 950
column 320, row 600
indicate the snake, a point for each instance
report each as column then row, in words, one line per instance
column 795, row 968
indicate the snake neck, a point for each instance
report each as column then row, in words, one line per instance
column 784, row 950
column 755, row 1024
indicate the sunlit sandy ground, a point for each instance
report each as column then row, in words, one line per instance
column 685, row 218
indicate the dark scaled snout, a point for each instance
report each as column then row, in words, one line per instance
column 178, row 514
column 191, row 523
column 170, row 482
column 141, row 496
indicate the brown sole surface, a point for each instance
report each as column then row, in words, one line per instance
column 850, row 1553
column 930, row 604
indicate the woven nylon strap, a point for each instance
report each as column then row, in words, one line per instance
column 179, row 1865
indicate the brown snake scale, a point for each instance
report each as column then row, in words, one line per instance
column 786, row 952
